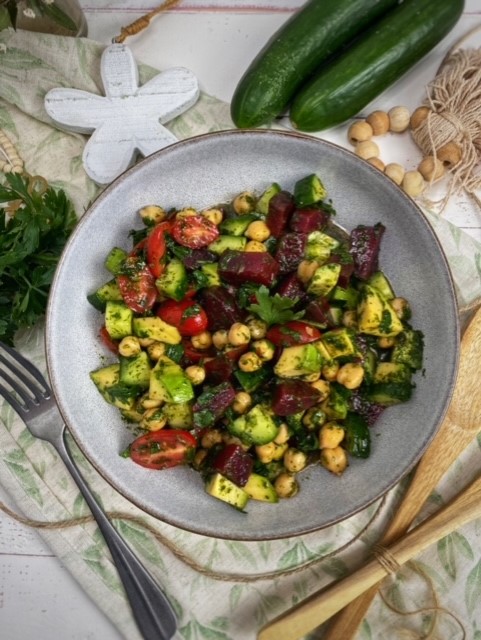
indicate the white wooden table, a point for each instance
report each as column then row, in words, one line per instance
column 38, row 597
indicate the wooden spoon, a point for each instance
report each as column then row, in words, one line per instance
column 457, row 430
column 321, row 606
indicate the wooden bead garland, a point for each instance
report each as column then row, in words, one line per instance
column 397, row 120
column 10, row 160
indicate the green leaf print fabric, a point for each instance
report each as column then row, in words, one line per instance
column 220, row 590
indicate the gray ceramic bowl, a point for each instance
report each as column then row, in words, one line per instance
column 202, row 171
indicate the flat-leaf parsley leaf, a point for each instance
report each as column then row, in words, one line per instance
column 31, row 241
column 274, row 309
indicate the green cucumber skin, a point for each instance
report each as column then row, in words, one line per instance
column 379, row 58
column 315, row 32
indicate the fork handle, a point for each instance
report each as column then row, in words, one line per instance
column 152, row 611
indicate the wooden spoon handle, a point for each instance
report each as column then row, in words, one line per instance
column 309, row 614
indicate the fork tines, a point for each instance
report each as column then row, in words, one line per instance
column 21, row 383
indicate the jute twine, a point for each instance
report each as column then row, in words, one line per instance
column 454, row 102
column 144, row 21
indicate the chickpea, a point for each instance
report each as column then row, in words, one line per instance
column 253, row 246
column 264, row 349
column 186, row 213
column 227, row 438
column 386, row 342
column 271, row 451
column 314, row 418
column 283, row 435
column 152, row 214
column 145, row 342
column 202, row 340
column 295, row 460
column 242, row 402
column 210, row 438
column 329, row 370
column 350, row 375
column 306, row 269
column 214, row 215
column 249, row 362
column 323, row 387
column 331, row 435
column 258, row 230
column 349, row 319
column 286, row 485
column 334, row 460
column 199, row 457
column 257, row 328
column 195, row 374
column 401, row 307
column 244, row 202
column 149, row 403
column 156, row 350
column 219, row 338
column 239, row 334
column 129, row 346
column 153, row 420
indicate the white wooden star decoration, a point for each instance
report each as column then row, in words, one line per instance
column 129, row 119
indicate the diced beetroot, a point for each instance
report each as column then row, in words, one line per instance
column 212, row 404
column 308, row 220
column 219, row 369
column 193, row 355
column 234, row 463
column 235, row 353
column 281, row 207
column 365, row 246
column 292, row 333
column 317, row 311
column 292, row 396
column 290, row 251
column 197, row 257
column 291, row 287
column 237, row 267
column 221, row 308
column 367, row 409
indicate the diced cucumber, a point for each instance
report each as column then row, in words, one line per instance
column 108, row 291
column 135, row 371
column 392, row 372
column 169, row 383
column 409, row 348
column 107, row 381
column 256, row 427
column 118, row 319
column 340, row 342
column 178, row 416
column 319, row 246
column 262, row 205
column 173, row 282
column 218, row 486
column 156, row 329
column 379, row 281
column 336, row 405
column 358, row 437
column 237, row 226
column 211, row 270
column 299, row 360
column 390, row 393
column 324, row 279
column 228, row 242
column 252, row 381
column 309, row 190
column 258, row 487
column 114, row 260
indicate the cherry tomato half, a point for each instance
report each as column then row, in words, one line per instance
column 137, row 285
column 156, row 248
column 194, row 231
column 292, row 333
column 112, row 345
column 187, row 315
column 163, row 449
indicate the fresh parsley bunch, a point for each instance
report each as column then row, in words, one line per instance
column 31, row 241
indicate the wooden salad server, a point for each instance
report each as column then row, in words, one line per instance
column 457, row 430
column 321, row 606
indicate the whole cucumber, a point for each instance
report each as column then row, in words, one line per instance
column 376, row 60
column 315, row 32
